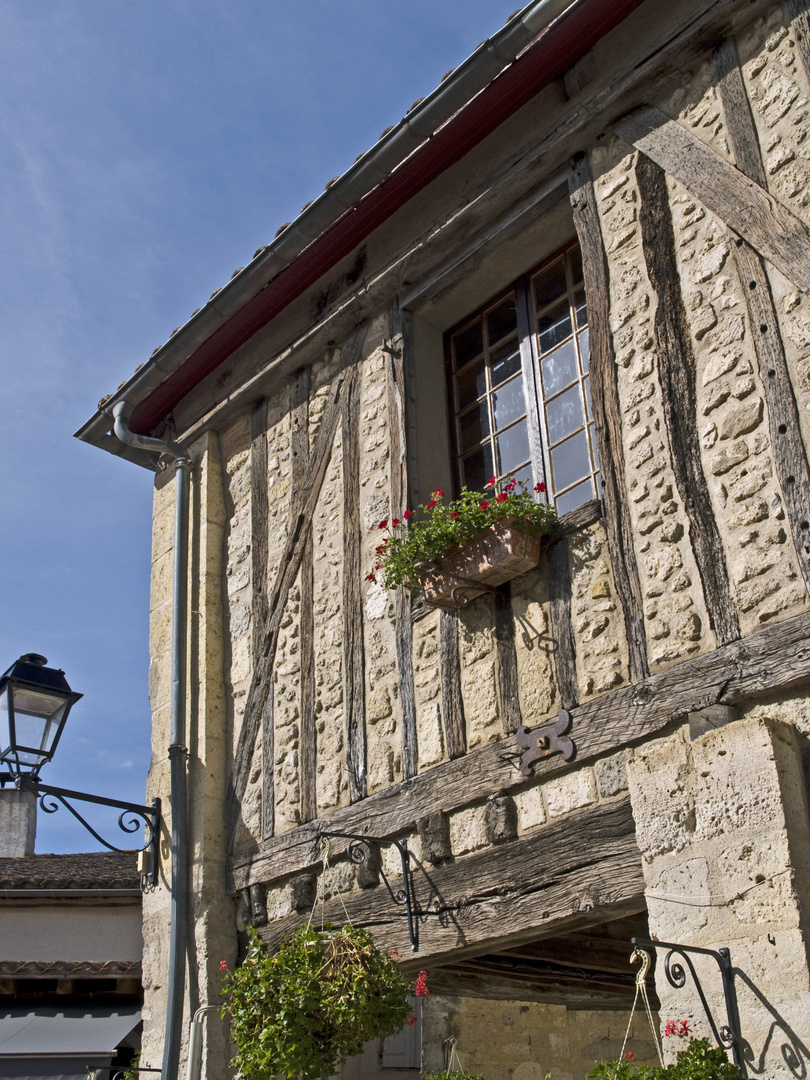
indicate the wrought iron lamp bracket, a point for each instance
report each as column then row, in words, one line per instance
column 727, row 1036
column 402, row 897
column 132, row 817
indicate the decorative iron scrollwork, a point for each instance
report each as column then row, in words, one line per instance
column 133, row 816
column 727, row 1035
column 544, row 741
column 359, row 850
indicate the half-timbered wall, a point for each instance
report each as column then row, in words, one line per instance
column 685, row 587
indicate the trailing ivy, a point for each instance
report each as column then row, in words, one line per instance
column 314, row 1003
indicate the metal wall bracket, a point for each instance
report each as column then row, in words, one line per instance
column 359, row 850
column 544, row 741
column 727, row 1036
column 133, row 817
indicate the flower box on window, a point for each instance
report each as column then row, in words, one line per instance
column 464, row 548
column 497, row 555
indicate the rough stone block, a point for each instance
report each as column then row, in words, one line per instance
column 500, row 818
column 467, row 830
column 434, row 835
column 530, row 808
column 367, row 870
column 611, row 775
column 302, row 892
column 570, row 792
column 258, row 904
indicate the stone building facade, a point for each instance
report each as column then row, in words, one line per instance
column 623, row 199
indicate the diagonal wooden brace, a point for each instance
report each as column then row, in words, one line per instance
column 544, row 741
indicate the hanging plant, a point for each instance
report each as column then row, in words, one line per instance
column 699, row 1061
column 452, row 1074
column 314, row 1003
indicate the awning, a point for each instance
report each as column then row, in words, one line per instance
column 54, row 1042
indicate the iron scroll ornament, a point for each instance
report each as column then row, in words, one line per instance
column 727, row 1035
column 544, row 741
column 359, row 850
column 133, row 816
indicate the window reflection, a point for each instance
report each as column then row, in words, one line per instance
column 493, row 415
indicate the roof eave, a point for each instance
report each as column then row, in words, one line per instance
column 311, row 244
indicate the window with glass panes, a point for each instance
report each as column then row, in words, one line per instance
column 520, row 387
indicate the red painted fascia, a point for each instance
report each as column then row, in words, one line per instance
column 552, row 54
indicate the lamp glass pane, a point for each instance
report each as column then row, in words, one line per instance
column 37, row 715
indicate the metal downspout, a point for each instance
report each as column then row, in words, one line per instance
column 178, row 752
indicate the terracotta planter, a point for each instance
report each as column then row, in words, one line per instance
column 489, row 559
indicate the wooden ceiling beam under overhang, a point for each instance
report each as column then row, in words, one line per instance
column 586, row 970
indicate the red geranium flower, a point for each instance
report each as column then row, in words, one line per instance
column 677, row 1027
column 223, row 965
column 454, row 514
column 410, row 1020
column 383, row 524
column 484, row 505
column 396, row 522
column 502, row 498
column 493, row 482
column 406, row 515
column 370, row 577
column 437, row 494
column 539, row 487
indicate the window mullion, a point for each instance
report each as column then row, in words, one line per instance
column 531, row 391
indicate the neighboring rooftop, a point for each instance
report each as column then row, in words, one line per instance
column 88, row 870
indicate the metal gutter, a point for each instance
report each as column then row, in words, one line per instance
column 372, row 169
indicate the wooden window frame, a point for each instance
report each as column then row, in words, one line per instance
column 536, row 403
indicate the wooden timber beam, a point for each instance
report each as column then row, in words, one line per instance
column 772, row 659
column 760, row 219
column 400, row 375
column 508, row 695
column 789, row 453
column 677, row 380
column 594, row 951
column 575, row 871
column 259, row 706
column 573, row 995
column 455, row 730
column 608, row 420
column 354, row 653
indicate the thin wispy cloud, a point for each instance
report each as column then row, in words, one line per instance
column 147, row 149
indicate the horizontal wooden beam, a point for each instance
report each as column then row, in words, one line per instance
column 767, row 224
column 775, row 658
column 533, row 886
column 592, row 951
column 546, row 974
column 564, row 990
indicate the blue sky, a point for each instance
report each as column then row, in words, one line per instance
column 148, row 148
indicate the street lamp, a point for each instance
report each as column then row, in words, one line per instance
column 34, row 704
